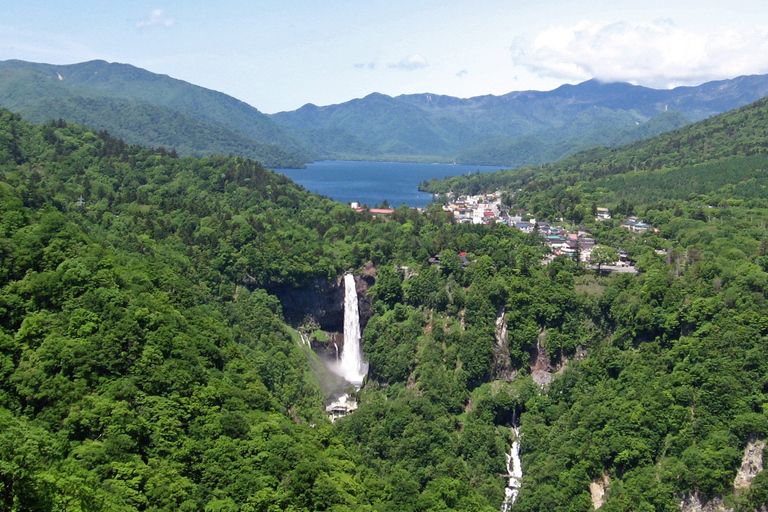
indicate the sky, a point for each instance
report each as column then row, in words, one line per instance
column 278, row 55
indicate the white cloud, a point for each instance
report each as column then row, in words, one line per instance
column 411, row 63
column 657, row 54
column 157, row 18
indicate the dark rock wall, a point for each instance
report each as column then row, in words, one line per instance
column 321, row 303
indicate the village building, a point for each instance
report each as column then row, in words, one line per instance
column 603, row 214
column 635, row 225
column 340, row 408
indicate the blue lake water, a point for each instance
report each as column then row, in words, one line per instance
column 372, row 183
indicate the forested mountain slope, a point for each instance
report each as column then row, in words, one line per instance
column 145, row 108
column 515, row 129
column 741, row 132
column 144, row 365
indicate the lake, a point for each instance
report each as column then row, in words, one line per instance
column 372, row 183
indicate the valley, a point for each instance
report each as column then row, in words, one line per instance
column 166, row 320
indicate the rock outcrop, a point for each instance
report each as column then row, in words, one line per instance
column 751, row 465
column 320, row 303
column 543, row 367
column 502, row 362
column 597, row 490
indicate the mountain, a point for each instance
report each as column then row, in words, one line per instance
column 146, row 108
column 741, row 132
column 515, row 129
column 158, row 315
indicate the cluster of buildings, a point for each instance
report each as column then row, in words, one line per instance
column 486, row 208
column 376, row 211
column 576, row 245
column 479, row 209
column 635, row 225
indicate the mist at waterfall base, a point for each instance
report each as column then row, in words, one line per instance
column 350, row 366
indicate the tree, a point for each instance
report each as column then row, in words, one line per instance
column 603, row 255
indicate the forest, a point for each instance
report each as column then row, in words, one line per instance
column 147, row 109
column 145, row 363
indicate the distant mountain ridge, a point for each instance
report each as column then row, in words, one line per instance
column 515, row 129
column 733, row 143
column 512, row 130
column 146, row 108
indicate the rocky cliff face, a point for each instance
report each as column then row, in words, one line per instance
column 502, row 363
column 598, row 488
column 751, row 465
column 320, row 305
column 543, row 367
column 694, row 503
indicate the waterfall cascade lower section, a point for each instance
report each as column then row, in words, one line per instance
column 514, row 474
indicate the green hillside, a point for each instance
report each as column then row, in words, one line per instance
column 147, row 109
column 515, row 129
column 602, row 127
column 146, row 364
column 741, row 132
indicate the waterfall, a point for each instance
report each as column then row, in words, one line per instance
column 514, row 473
column 351, row 366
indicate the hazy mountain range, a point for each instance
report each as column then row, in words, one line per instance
column 515, row 129
column 519, row 128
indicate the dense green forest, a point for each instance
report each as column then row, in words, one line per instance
column 145, row 363
column 147, row 109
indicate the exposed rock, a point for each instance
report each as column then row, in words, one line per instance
column 541, row 377
column 597, row 489
column 329, row 350
column 541, row 368
column 502, row 362
column 321, row 302
column 363, row 285
column 751, row 463
column 539, row 358
column 693, row 503
column 370, row 270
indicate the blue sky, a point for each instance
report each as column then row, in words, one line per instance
column 279, row 55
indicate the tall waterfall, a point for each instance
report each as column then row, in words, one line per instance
column 351, row 366
column 514, row 474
